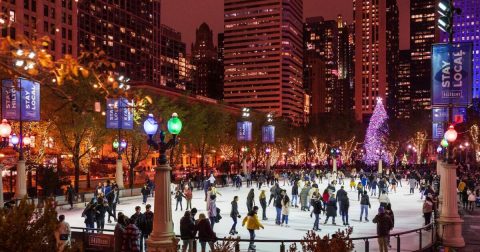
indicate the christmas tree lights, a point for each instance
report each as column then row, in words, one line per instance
column 376, row 137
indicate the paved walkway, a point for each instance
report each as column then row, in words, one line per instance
column 471, row 229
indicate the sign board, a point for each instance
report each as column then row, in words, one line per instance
column 438, row 131
column 244, row 131
column 23, row 101
column 95, row 241
column 119, row 114
column 452, row 74
column 459, row 114
column 268, row 134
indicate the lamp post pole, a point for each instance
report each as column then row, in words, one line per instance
column 21, row 183
column 162, row 238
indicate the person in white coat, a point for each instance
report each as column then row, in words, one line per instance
column 285, row 210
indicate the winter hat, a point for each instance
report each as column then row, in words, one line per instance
column 381, row 210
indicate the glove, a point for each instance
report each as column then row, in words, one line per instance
column 310, row 215
column 239, row 216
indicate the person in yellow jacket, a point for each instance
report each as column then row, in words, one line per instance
column 252, row 223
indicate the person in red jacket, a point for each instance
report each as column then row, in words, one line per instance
column 325, row 198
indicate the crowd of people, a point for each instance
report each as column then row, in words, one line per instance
column 303, row 193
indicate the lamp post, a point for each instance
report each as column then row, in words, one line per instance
column 244, row 151
column 162, row 238
column 267, row 153
column 380, row 159
column 5, row 130
column 334, row 152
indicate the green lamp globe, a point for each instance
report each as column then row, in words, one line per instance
column 174, row 124
column 115, row 144
column 444, row 143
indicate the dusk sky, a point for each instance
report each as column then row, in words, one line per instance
column 186, row 15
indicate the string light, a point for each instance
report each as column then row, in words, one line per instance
column 376, row 134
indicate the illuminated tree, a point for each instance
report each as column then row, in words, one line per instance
column 377, row 133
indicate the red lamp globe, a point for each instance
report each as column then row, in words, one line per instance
column 5, row 129
column 451, row 134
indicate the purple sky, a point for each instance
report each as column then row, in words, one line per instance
column 186, row 15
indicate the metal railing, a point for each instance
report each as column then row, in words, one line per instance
column 423, row 233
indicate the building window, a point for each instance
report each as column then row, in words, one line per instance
column 34, row 5
column 25, row 4
column 64, row 33
column 45, row 10
column 69, row 34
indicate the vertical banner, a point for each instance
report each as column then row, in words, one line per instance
column 126, row 118
column 23, row 101
column 244, row 131
column 437, row 131
column 10, row 105
column 30, row 100
column 452, row 74
column 119, row 114
column 268, row 134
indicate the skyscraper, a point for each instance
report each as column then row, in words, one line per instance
column 422, row 36
column 466, row 28
column 206, row 77
column 176, row 69
column 127, row 31
column 327, row 41
column 376, row 53
column 403, row 90
column 37, row 18
column 263, row 56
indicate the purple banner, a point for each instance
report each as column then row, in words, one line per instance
column 244, row 131
column 452, row 74
column 268, row 134
column 119, row 114
column 24, row 101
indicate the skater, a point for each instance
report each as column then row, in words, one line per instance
column 427, row 210
column 205, row 233
column 187, row 231
column 250, row 200
column 188, row 196
column 234, row 214
column 317, row 209
column 359, row 190
column 178, row 197
column 145, row 193
column 352, row 184
column 131, row 237
column 471, row 200
column 383, row 199
column 344, row 205
column 331, row 209
column 364, row 205
column 89, row 215
column 70, row 195
column 147, row 227
column 212, row 210
column 295, row 194
column 63, row 233
column 251, row 223
column 118, row 232
column 412, row 182
column 263, row 203
column 285, row 210
column 384, row 225
column 304, row 197
column 393, row 184
column 373, row 187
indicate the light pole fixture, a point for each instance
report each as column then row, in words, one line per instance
column 163, row 237
column 150, row 127
column 451, row 134
column 5, row 130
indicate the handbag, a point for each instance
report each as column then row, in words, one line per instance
column 64, row 237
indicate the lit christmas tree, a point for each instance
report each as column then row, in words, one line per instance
column 376, row 136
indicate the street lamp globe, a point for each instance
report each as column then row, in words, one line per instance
column 451, row 134
column 123, row 144
column 115, row 144
column 150, row 126
column 174, row 125
column 14, row 140
column 439, row 149
column 5, row 129
column 444, row 143
column 268, row 150
column 27, row 140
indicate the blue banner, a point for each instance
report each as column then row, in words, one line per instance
column 452, row 74
column 244, row 131
column 24, row 100
column 437, row 131
column 268, row 134
column 119, row 114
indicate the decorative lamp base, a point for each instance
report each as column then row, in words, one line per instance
column 162, row 245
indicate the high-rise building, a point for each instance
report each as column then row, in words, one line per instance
column 220, row 58
column 466, row 28
column 34, row 19
column 403, row 90
column 327, row 41
column 127, row 31
column 422, row 36
column 206, row 77
column 176, row 69
column 263, row 56
column 376, row 53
